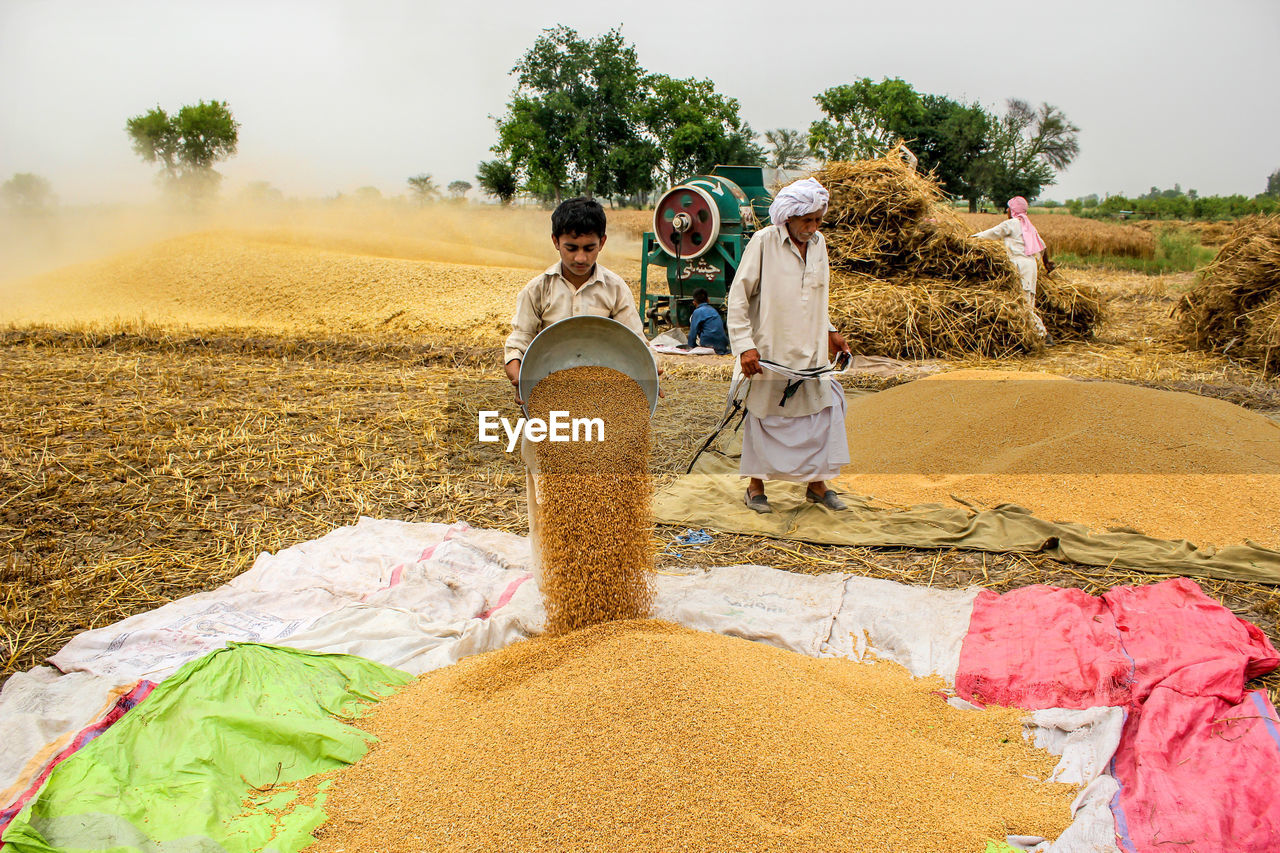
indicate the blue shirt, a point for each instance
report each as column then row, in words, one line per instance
column 706, row 324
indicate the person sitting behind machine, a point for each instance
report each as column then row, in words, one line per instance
column 706, row 326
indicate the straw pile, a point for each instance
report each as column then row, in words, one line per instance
column 1235, row 309
column 906, row 280
column 644, row 736
column 593, row 498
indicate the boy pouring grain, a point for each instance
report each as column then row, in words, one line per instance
column 574, row 285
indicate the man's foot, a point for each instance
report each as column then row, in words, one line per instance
column 759, row 502
column 829, row 499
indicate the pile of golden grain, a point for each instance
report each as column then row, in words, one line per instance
column 907, row 281
column 1235, row 309
column 227, row 280
column 1100, row 453
column 596, row 543
column 644, row 736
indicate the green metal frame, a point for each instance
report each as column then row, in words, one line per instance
column 728, row 247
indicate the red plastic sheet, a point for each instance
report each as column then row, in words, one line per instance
column 1199, row 757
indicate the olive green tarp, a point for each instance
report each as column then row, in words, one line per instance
column 710, row 497
column 203, row 764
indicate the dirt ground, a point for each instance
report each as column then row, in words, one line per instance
column 142, row 460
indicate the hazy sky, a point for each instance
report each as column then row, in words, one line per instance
column 333, row 95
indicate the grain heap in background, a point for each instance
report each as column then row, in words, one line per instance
column 597, row 551
column 232, row 281
column 1168, row 464
column 647, row 736
column 448, row 273
column 1235, row 308
column 906, row 280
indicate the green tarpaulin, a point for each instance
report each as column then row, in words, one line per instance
column 174, row 774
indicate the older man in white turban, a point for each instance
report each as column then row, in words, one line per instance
column 778, row 314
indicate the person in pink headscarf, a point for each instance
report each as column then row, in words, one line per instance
column 1023, row 243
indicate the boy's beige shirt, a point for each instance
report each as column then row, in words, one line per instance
column 550, row 298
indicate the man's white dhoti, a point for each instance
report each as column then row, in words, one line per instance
column 802, row 449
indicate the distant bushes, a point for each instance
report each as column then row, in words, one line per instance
column 1181, row 206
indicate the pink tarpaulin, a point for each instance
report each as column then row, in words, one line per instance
column 1198, row 757
column 1008, row 658
column 1178, row 637
column 1198, row 773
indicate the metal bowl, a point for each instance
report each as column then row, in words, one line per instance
column 589, row 341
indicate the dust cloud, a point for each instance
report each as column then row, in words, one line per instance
column 336, row 262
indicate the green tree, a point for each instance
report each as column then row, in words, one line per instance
column 694, row 127
column 1273, row 184
column 1027, row 147
column 423, row 187
column 459, row 189
column 951, row 139
column 186, row 144
column 864, row 118
column 498, row 179
column 788, row 149
column 27, row 193
column 573, row 104
column 633, row 168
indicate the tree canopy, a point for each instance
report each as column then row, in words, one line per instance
column 572, row 106
column 459, row 189
column 586, row 118
column 695, row 127
column 971, row 152
column 864, row 118
column 498, row 179
column 788, row 149
column 423, row 187
column 186, row 144
column 1174, row 204
column 1028, row 148
column 27, row 192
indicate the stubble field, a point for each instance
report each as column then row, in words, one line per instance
column 249, row 382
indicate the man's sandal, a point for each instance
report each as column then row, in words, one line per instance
column 830, row 499
column 759, row 502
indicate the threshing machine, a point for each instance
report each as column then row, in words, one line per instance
column 700, row 228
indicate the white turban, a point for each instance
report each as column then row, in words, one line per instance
column 797, row 199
